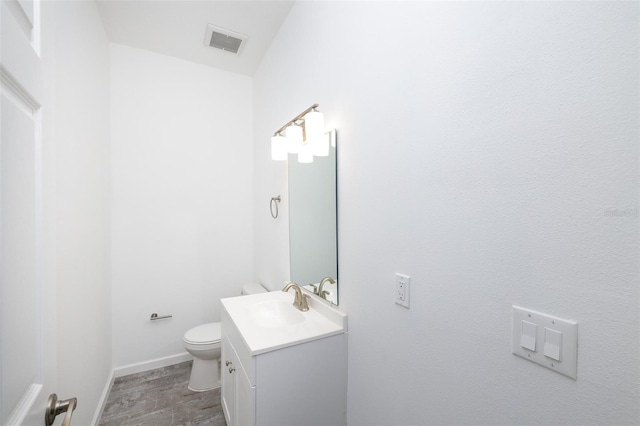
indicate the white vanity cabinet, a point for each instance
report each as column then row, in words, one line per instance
column 299, row 384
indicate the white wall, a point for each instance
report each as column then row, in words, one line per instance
column 181, row 164
column 77, row 202
column 490, row 151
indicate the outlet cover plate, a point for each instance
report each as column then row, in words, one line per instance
column 402, row 290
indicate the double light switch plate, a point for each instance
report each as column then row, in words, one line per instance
column 546, row 340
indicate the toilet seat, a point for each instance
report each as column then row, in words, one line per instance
column 204, row 334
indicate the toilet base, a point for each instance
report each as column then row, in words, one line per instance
column 205, row 375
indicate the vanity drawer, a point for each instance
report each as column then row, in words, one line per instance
column 240, row 347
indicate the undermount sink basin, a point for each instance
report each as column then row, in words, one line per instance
column 274, row 313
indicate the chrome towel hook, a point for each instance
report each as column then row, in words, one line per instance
column 274, row 202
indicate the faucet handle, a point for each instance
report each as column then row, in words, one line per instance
column 304, row 304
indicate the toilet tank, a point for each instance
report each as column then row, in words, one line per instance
column 253, row 289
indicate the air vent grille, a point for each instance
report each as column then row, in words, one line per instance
column 224, row 39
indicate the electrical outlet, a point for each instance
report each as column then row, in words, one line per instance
column 402, row 290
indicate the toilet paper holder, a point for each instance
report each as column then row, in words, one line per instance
column 155, row 316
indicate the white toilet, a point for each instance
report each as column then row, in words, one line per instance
column 204, row 343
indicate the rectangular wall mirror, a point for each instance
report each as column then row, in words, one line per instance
column 313, row 237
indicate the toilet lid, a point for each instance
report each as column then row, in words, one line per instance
column 203, row 334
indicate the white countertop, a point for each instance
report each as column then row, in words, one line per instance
column 321, row 320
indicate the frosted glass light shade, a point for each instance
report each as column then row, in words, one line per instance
column 305, row 154
column 279, row 148
column 294, row 138
column 321, row 145
column 314, row 128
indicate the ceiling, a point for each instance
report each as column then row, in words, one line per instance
column 177, row 28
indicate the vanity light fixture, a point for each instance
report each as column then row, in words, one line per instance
column 304, row 135
column 314, row 124
column 305, row 153
column 279, row 148
column 293, row 133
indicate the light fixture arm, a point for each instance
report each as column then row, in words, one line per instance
column 297, row 118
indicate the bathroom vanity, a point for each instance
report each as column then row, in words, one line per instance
column 281, row 366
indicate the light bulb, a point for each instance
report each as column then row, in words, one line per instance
column 305, row 154
column 278, row 148
column 314, row 128
column 294, row 138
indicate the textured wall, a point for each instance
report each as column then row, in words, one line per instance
column 181, row 198
column 490, row 151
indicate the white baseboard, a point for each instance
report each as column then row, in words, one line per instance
column 150, row 365
column 24, row 405
column 103, row 400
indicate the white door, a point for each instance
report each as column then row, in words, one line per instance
column 27, row 310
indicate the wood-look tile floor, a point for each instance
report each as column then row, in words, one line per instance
column 161, row 398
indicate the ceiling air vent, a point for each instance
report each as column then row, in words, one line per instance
column 223, row 39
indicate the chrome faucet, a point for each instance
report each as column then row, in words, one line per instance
column 324, row 293
column 300, row 300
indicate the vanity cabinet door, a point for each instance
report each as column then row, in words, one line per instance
column 245, row 399
column 228, row 393
column 238, row 395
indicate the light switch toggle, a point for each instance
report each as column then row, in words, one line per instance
column 552, row 343
column 528, row 336
column 549, row 341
